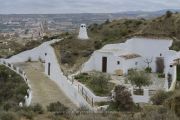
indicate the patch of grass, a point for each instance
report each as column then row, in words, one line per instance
column 13, row 88
column 97, row 82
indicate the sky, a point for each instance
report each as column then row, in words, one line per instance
column 83, row 6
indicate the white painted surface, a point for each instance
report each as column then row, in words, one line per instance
column 83, row 32
column 145, row 98
column 46, row 53
column 145, row 47
column 34, row 54
column 57, row 75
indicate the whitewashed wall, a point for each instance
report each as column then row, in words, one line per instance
column 57, row 75
column 147, row 48
column 34, row 54
column 145, row 98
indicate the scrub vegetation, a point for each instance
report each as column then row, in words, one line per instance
column 72, row 53
column 97, row 82
column 13, row 88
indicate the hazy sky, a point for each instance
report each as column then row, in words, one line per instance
column 84, row 6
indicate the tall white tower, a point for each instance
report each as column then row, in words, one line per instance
column 83, row 32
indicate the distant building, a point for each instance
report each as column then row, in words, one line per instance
column 83, row 32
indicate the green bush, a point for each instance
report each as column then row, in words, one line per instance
column 148, row 70
column 161, row 75
column 160, row 97
column 27, row 114
column 38, row 109
column 97, row 44
column 8, row 116
column 123, row 100
column 98, row 82
column 56, row 107
column 13, row 88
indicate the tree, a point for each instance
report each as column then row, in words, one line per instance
column 139, row 78
column 101, row 80
column 123, row 98
column 148, row 61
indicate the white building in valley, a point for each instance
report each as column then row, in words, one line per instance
column 83, row 32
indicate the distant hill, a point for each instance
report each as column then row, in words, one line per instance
column 166, row 26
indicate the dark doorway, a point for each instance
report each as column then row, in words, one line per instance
column 49, row 68
column 160, row 65
column 104, row 64
column 178, row 72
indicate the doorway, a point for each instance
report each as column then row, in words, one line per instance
column 104, row 64
column 49, row 69
column 178, row 72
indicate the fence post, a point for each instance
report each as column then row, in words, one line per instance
column 86, row 97
column 92, row 102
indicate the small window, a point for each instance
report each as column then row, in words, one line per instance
column 45, row 54
column 171, row 66
column 136, row 63
column 118, row 62
column 160, row 54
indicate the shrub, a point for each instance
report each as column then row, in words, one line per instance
column 27, row 114
column 148, row 69
column 38, row 109
column 97, row 44
column 8, row 116
column 160, row 97
column 139, row 78
column 10, row 105
column 161, row 75
column 168, row 14
column 56, row 107
column 123, row 100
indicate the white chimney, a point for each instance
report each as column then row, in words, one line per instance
column 83, row 32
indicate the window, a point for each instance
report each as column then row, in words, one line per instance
column 136, row 63
column 160, row 54
column 118, row 62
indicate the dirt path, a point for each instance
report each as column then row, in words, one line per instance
column 45, row 91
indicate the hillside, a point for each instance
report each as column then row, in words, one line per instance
column 72, row 52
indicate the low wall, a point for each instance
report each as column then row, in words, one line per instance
column 174, row 79
column 46, row 53
column 33, row 54
column 28, row 97
column 52, row 69
column 145, row 98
